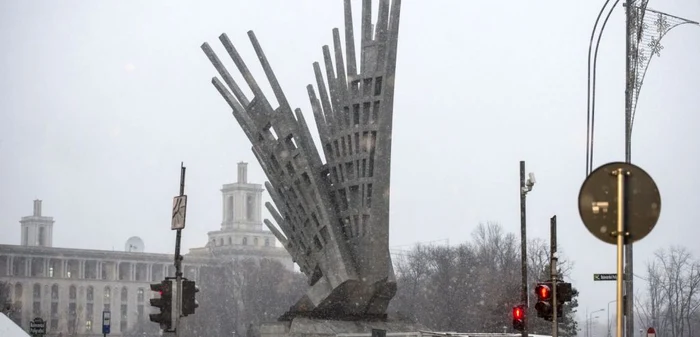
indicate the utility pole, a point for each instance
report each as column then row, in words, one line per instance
column 525, row 187
column 554, row 274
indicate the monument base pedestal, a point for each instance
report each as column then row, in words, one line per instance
column 308, row 327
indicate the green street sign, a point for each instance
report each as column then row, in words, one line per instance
column 604, row 277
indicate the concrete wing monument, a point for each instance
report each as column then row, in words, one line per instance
column 333, row 214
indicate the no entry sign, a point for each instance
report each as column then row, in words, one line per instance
column 651, row 332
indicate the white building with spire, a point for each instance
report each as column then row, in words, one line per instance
column 241, row 234
column 37, row 230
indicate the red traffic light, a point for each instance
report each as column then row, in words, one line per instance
column 543, row 292
column 518, row 313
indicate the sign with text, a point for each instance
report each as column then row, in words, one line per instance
column 604, row 277
column 37, row 327
column 106, row 321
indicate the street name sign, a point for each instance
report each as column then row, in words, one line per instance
column 604, row 277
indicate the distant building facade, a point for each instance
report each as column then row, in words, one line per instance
column 70, row 288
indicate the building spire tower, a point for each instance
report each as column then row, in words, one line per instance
column 241, row 234
column 242, row 203
column 37, row 230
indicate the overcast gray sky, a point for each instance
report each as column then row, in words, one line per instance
column 101, row 100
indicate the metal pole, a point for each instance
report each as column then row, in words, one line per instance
column 586, row 323
column 553, row 272
column 523, row 247
column 178, row 261
column 628, row 251
column 608, row 313
column 620, row 241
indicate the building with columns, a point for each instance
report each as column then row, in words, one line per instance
column 70, row 288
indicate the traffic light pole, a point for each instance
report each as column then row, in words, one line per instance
column 178, row 262
column 554, row 274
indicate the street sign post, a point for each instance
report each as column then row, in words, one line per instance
column 605, row 277
column 37, row 327
column 651, row 332
column 106, row 322
column 619, row 203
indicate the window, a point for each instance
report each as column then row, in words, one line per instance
column 18, row 292
column 90, row 293
column 125, row 318
column 50, row 271
column 36, row 308
column 72, row 312
column 125, row 294
column 267, row 242
column 89, row 308
column 255, row 241
column 72, row 318
column 139, row 295
column 249, row 207
column 107, row 307
column 229, row 207
column 72, row 293
column 88, row 316
column 139, row 311
column 230, row 241
column 108, row 295
column 245, row 241
column 26, row 236
column 54, row 292
column 54, row 309
column 42, row 233
column 54, row 324
column 37, row 291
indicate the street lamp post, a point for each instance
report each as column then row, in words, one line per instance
column 525, row 187
column 645, row 28
column 608, row 312
column 588, row 321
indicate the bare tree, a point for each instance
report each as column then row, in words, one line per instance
column 239, row 293
column 74, row 321
column 6, row 306
column 471, row 287
column 412, row 269
column 673, row 293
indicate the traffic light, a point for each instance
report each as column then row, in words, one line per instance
column 164, row 303
column 519, row 317
column 564, row 292
column 189, row 302
column 543, row 290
